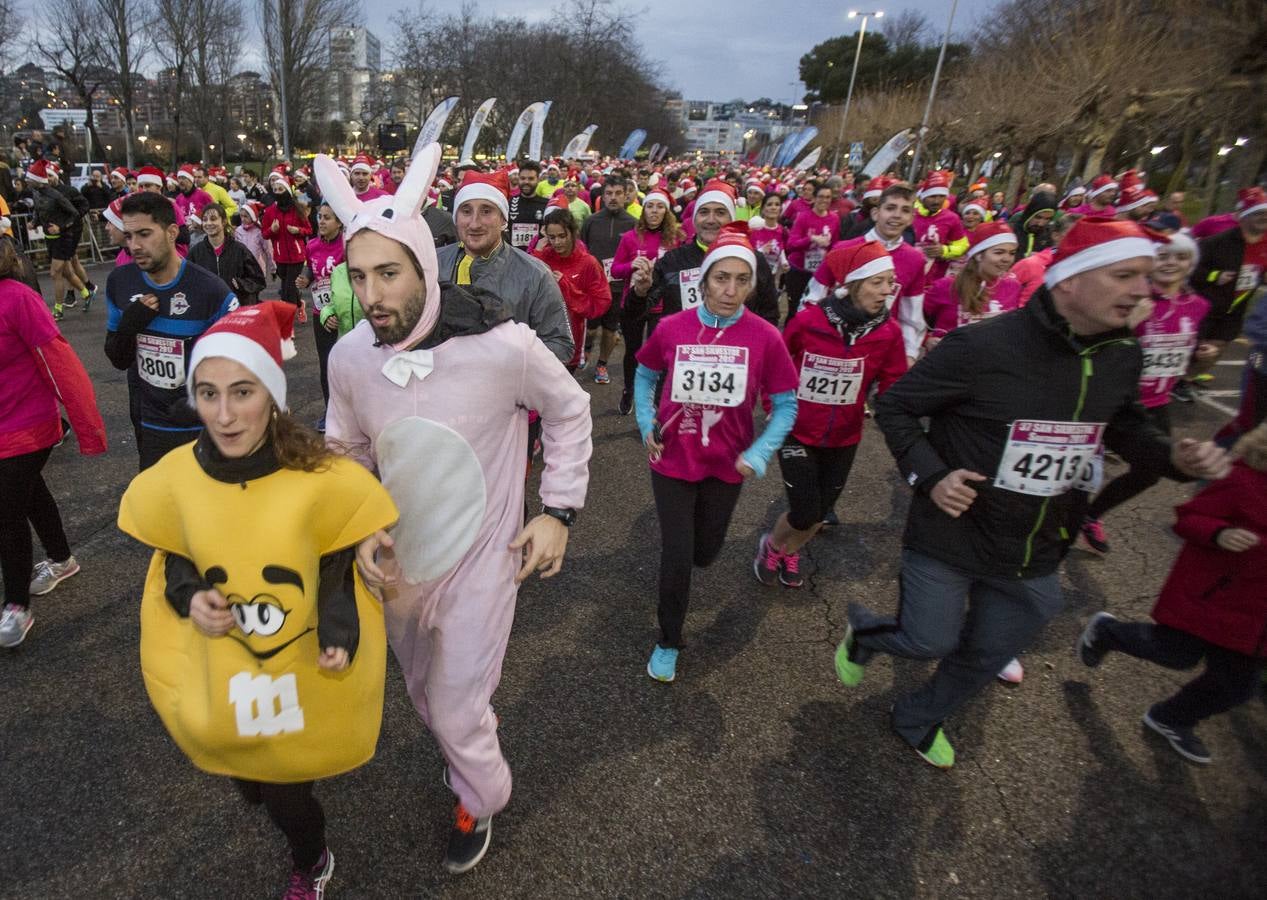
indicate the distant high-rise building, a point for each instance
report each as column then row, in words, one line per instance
column 356, row 58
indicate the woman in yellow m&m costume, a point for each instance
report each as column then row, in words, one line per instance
column 262, row 650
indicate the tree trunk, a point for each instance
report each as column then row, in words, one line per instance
column 1212, row 174
column 1179, row 177
column 1095, row 146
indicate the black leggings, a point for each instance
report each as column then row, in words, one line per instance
column 325, row 343
column 694, row 516
column 1228, row 681
column 1133, row 483
column 26, row 503
column 795, row 283
column 635, row 331
column 295, row 812
column 814, row 477
column 288, row 272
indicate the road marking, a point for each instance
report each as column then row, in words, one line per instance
column 1214, row 404
column 1231, row 362
column 1222, row 393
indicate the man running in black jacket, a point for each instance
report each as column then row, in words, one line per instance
column 1020, row 408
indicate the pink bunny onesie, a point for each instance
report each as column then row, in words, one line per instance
column 445, row 428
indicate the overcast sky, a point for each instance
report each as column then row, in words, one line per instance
column 755, row 54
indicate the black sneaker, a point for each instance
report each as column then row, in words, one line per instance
column 626, row 404
column 830, row 520
column 1183, row 391
column 468, row 841
column 1090, row 647
column 71, row 300
column 1184, row 740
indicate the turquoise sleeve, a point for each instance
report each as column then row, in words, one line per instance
column 644, row 399
column 782, row 416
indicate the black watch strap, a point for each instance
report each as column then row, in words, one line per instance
column 566, row 516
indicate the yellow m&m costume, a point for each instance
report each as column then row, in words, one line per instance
column 253, row 704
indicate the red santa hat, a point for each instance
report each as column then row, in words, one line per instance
column 937, row 184
column 1130, row 178
column 276, row 176
column 185, row 171
column 857, row 262
column 1095, row 242
column 362, row 163
column 1100, row 184
column 120, row 173
column 987, row 235
column 978, row 205
column 150, row 175
column 686, row 186
column 658, row 195
column 171, row 182
column 754, row 185
column 1249, row 201
column 38, row 171
column 258, row 337
column 494, row 187
column 732, row 243
column 114, row 213
column 1134, row 196
column 252, row 208
column 876, row 186
column 717, row 191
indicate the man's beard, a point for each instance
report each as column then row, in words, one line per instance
column 403, row 322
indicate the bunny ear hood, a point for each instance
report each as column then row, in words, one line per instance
column 398, row 217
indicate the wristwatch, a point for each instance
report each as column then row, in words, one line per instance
column 566, row 516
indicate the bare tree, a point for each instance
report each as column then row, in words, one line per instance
column 214, row 27
column 11, row 29
column 297, row 51
column 175, row 46
column 124, row 48
column 74, row 51
column 910, row 27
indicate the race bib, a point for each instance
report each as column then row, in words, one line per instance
column 814, row 257
column 688, row 282
column 1247, row 277
column 522, row 233
column 710, row 375
column 1166, row 355
column 607, row 268
column 160, row 361
column 321, row 293
column 825, row 379
column 1046, row 459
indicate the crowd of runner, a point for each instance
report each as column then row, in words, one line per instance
column 1002, row 349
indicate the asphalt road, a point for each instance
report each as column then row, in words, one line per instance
column 755, row 775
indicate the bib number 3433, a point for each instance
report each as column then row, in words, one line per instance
column 1046, row 459
column 710, row 375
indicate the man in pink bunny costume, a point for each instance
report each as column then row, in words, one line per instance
column 432, row 391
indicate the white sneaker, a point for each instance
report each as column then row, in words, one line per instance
column 15, row 622
column 49, row 574
column 1012, row 673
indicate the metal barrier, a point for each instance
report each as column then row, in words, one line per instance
column 94, row 245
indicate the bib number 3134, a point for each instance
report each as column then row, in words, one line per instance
column 710, row 375
column 1046, row 459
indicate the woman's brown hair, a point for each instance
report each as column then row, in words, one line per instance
column 10, row 265
column 297, row 446
column 969, row 287
column 669, row 227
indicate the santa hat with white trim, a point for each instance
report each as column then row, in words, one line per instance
column 1249, row 201
column 114, row 213
column 716, row 191
column 185, row 171
column 658, row 195
column 120, row 173
column 363, row 163
column 493, row 187
column 1095, row 242
column 259, row 337
column 1134, row 196
column 937, row 184
column 1100, row 184
column 732, row 243
column 38, row 171
column 978, row 205
column 987, row 235
column 875, row 187
column 857, row 262
column 150, row 175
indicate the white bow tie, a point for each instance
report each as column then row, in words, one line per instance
column 400, row 367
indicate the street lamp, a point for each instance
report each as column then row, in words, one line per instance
column 932, row 91
column 857, row 55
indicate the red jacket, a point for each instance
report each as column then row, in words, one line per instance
column 287, row 247
column 583, row 285
column 882, row 356
column 1215, row 594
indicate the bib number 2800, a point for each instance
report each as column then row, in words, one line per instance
column 160, row 361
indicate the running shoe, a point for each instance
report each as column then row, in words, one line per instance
column 601, row 376
column 1184, row 741
column 468, row 841
column 849, row 672
column 57, row 312
column 1012, row 673
column 303, row 313
column 319, row 426
column 1183, row 391
column 1090, row 648
column 92, row 295
column 15, row 622
column 938, row 753
column 49, row 574
column 71, row 300
column 830, row 520
column 310, row 884
column 663, row 664
column 626, row 404
column 1091, row 537
column 790, row 572
column 766, row 564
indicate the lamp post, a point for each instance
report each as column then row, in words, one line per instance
column 857, row 55
column 932, row 91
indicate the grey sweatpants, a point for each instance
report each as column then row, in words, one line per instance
column 974, row 624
